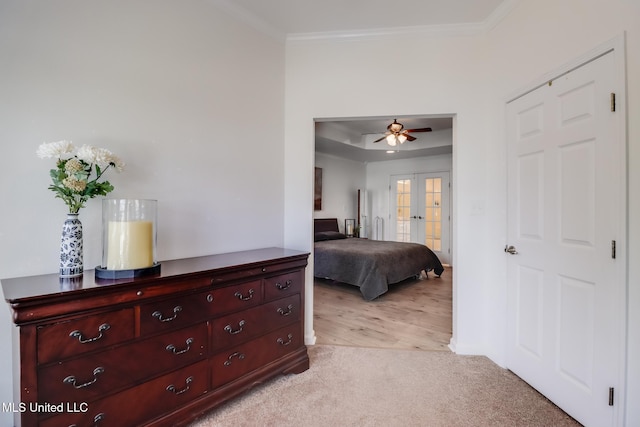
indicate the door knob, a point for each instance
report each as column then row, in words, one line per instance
column 510, row 249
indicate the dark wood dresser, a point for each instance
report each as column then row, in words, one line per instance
column 160, row 350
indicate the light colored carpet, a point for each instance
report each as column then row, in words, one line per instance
column 348, row 386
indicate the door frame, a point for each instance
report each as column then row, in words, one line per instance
column 615, row 46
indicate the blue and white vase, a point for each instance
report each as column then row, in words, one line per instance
column 71, row 264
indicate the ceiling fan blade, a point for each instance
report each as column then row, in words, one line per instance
column 379, row 139
column 409, row 137
column 419, row 130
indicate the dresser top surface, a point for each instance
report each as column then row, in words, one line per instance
column 22, row 289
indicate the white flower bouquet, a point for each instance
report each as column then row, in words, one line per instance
column 75, row 178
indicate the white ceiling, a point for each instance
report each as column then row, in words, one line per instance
column 312, row 19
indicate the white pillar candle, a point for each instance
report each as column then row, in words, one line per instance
column 130, row 245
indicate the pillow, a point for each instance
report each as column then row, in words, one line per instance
column 328, row 235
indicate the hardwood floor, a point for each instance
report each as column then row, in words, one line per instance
column 414, row 314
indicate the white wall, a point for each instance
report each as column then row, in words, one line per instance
column 435, row 89
column 472, row 78
column 341, row 179
column 193, row 103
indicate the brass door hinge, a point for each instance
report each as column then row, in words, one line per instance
column 610, row 396
column 613, row 249
column 613, row 102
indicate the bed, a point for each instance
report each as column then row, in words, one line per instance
column 371, row 265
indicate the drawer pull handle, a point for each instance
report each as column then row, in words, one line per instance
column 177, row 309
column 242, row 297
column 72, row 380
column 82, row 340
column 96, row 420
column 172, row 348
column 239, row 355
column 286, row 285
column 281, row 341
column 281, row 311
column 237, row 331
column 175, row 391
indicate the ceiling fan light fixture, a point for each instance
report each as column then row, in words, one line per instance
column 402, row 138
column 395, row 127
column 391, row 140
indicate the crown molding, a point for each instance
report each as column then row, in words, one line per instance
column 376, row 33
column 447, row 30
column 249, row 18
column 499, row 14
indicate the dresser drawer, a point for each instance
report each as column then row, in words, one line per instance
column 239, row 327
column 237, row 361
column 283, row 285
column 59, row 340
column 89, row 377
column 173, row 313
column 237, row 297
column 248, row 273
column 137, row 405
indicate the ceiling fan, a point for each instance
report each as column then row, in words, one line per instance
column 397, row 134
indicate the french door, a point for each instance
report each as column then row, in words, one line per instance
column 420, row 211
column 565, row 277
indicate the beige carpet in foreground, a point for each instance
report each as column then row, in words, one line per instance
column 348, row 386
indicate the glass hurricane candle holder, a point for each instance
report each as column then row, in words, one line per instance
column 349, row 227
column 128, row 238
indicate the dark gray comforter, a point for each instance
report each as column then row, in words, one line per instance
column 372, row 264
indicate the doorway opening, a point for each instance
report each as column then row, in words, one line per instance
column 354, row 154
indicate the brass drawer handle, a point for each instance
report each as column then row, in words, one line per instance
column 175, row 391
column 82, row 340
column 281, row 341
column 72, row 380
column 172, row 348
column 237, row 331
column 242, row 297
column 96, row 420
column 239, row 355
column 286, row 285
column 177, row 309
column 281, row 311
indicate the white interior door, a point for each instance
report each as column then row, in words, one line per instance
column 565, row 286
column 421, row 211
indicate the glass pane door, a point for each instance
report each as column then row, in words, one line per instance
column 433, row 213
column 403, row 210
column 421, row 211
